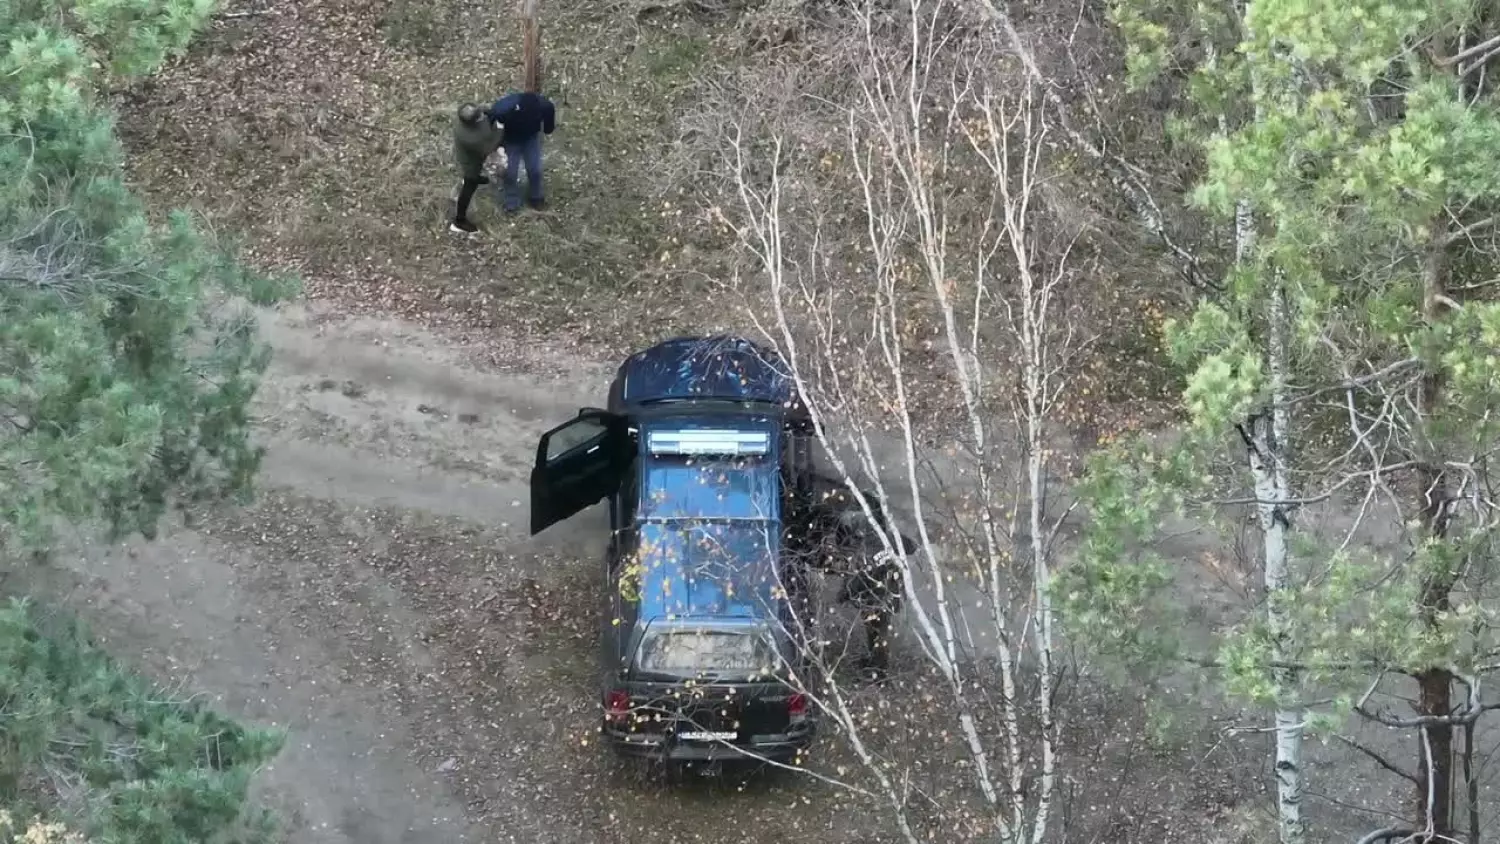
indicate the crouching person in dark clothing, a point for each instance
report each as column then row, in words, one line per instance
column 526, row 117
column 875, row 589
column 475, row 138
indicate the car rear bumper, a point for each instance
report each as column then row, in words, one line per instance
column 779, row 747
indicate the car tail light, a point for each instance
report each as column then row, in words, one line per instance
column 616, row 706
column 796, row 705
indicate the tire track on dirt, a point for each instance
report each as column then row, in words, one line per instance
column 298, row 611
column 433, row 664
column 407, row 482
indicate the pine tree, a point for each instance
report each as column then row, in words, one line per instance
column 1359, row 137
column 125, row 370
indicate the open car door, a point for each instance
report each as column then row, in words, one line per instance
column 578, row 464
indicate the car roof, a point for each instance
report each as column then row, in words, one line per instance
column 719, row 367
column 707, row 485
column 689, row 416
column 709, row 570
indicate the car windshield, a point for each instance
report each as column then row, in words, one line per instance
column 692, row 651
column 710, row 488
column 694, row 568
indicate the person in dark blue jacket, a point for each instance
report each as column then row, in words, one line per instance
column 525, row 117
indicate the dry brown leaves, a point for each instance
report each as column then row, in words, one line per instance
column 318, row 133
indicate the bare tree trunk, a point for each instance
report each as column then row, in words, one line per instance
column 1041, row 344
column 1035, row 377
column 1471, row 782
column 1269, row 447
column 1435, row 684
column 531, row 47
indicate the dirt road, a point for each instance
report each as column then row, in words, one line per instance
column 432, row 663
column 382, row 601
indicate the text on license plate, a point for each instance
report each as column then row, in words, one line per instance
column 708, row 736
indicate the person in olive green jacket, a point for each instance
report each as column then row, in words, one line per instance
column 475, row 138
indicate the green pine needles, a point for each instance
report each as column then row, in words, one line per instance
column 1351, row 362
column 126, row 368
column 127, row 761
column 128, row 361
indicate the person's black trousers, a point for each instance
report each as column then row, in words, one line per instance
column 466, row 195
column 878, row 637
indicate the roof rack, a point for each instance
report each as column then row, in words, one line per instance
column 708, row 441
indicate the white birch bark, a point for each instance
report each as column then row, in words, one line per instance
column 1269, row 452
column 924, row 102
column 1268, row 467
column 1035, row 370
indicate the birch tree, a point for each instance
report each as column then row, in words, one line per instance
column 944, row 317
column 1368, row 161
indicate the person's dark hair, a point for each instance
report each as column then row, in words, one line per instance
column 470, row 113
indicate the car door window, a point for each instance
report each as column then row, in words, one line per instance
column 630, row 492
column 577, row 433
column 578, row 464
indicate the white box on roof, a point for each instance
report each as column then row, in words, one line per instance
column 707, row 441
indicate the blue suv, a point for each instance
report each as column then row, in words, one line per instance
column 705, row 455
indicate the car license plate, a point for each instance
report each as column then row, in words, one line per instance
column 708, row 736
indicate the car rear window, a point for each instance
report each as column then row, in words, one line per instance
column 691, row 651
column 711, row 488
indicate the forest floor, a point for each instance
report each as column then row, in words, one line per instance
column 382, row 599
column 434, row 664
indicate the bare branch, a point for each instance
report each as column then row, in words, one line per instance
column 1377, row 758
column 1325, row 494
column 1130, row 179
column 1468, row 230
column 1470, row 52
column 1352, row 382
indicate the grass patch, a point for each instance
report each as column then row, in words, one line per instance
column 669, row 58
column 369, row 193
column 418, row 25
